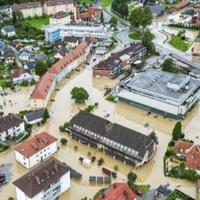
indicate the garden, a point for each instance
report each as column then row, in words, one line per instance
column 37, row 22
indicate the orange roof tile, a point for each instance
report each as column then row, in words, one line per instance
column 42, row 88
column 35, row 144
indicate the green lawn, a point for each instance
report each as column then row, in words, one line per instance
column 135, row 35
column 105, row 3
column 38, row 22
column 178, row 43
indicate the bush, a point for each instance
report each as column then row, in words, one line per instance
column 116, row 167
column 111, row 98
column 63, row 141
column 75, row 148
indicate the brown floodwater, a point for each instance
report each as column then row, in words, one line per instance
column 63, row 108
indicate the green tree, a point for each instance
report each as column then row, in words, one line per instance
column 120, row 7
column 63, row 141
column 131, row 178
column 147, row 41
column 113, row 21
column 79, row 94
column 177, row 131
column 168, row 66
column 41, row 68
column 102, row 18
column 140, row 17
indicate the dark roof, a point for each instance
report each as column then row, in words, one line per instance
column 9, row 121
column 114, row 59
column 37, row 114
column 60, row 15
column 70, row 39
column 8, row 28
column 112, row 131
column 41, row 177
column 157, row 9
column 163, row 189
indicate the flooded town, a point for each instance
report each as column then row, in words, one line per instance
column 98, row 103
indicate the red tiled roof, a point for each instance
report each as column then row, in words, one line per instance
column 42, row 88
column 190, row 151
column 198, row 184
column 18, row 72
column 35, row 144
column 70, row 57
column 118, row 191
column 93, row 10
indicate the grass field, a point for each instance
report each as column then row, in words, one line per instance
column 38, row 22
column 135, row 35
column 178, row 43
column 105, row 3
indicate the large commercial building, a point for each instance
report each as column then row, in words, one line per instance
column 36, row 149
column 57, row 32
column 161, row 92
column 133, row 146
column 46, row 182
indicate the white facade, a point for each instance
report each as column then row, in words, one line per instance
column 34, row 121
column 22, row 78
column 37, row 157
column 31, row 12
column 8, row 34
column 157, row 104
column 11, row 132
column 63, row 182
column 64, row 20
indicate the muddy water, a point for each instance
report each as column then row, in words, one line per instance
column 63, row 108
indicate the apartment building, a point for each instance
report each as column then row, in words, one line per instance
column 35, row 150
column 120, row 61
column 47, row 181
column 28, row 9
column 10, row 126
column 133, row 146
column 60, row 18
column 53, row 6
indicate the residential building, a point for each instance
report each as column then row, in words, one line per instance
column 71, row 61
column 10, row 126
column 60, row 18
column 8, row 31
column 24, row 55
column 196, row 19
column 135, row 147
column 53, row 6
column 57, row 32
column 120, row 61
column 162, row 192
column 8, row 56
column 6, row 9
column 168, row 94
column 191, row 152
column 21, row 75
column 157, row 10
column 28, row 9
column 34, row 117
column 42, row 91
column 71, row 41
column 118, row 191
column 35, row 150
column 47, row 181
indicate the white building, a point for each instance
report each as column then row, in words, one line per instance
column 48, row 181
column 11, row 126
column 34, row 117
column 8, row 31
column 51, row 7
column 161, row 92
column 36, row 149
column 28, row 9
column 60, row 18
column 21, row 75
column 6, row 9
column 57, row 32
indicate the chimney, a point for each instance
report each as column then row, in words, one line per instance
column 37, row 179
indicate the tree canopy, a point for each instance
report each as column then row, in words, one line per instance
column 140, row 17
column 79, row 94
column 42, row 67
column 113, row 21
column 177, row 131
column 169, row 66
column 147, row 41
column 120, row 7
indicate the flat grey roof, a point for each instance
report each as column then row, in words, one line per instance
column 154, row 83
